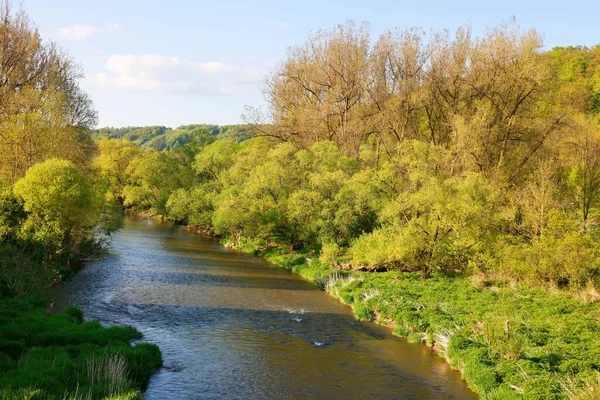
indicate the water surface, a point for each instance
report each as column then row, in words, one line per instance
column 232, row 326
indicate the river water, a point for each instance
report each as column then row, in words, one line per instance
column 232, row 326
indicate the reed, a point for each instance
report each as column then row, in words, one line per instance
column 110, row 371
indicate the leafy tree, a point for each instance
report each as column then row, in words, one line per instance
column 215, row 158
column 194, row 206
column 154, row 176
column 62, row 207
column 113, row 165
column 582, row 155
column 45, row 113
column 433, row 221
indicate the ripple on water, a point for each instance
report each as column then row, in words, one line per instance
column 231, row 326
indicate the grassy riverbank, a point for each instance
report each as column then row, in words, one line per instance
column 508, row 342
column 59, row 356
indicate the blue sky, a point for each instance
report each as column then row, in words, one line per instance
column 181, row 61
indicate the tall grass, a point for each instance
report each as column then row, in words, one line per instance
column 110, row 371
column 589, row 389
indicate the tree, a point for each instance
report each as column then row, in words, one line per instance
column 153, row 177
column 62, row 207
column 215, row 158
column 582, row 153
column 43, row 111
column 432, row 221
column 318, row 93
column 113, row 165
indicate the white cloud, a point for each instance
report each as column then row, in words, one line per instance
column 162, row 74
column 78, row 32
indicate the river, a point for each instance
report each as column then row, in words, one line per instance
column 232, row 326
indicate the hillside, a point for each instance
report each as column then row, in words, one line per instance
column 164, row 138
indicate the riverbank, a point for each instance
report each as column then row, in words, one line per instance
column 508, row 342
column 50, row 356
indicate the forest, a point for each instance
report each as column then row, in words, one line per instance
column 452, row 155
column 163, row 138
column 443, row 184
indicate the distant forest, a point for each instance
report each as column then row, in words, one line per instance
column 164, row 138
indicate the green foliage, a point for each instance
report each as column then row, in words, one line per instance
column 432, row 221
column 213, row 159
column 52, row 356
column 12, row 214
column 502, row 339
column 45, row 114
column 113, row 165
column 193, row 206
column 48, row 221
column 407, row 209
column 162, row 138
column 152, row 179
column 62, row 207
column 28, row 267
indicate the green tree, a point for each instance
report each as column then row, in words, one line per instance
column 45, row 113
column 582, row 153
column 62, row 207
column 113, row 166
column 153, row 177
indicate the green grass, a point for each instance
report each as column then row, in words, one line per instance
column 508, row 342
column 59, row 356
column 301, row 263
column 529, row 340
